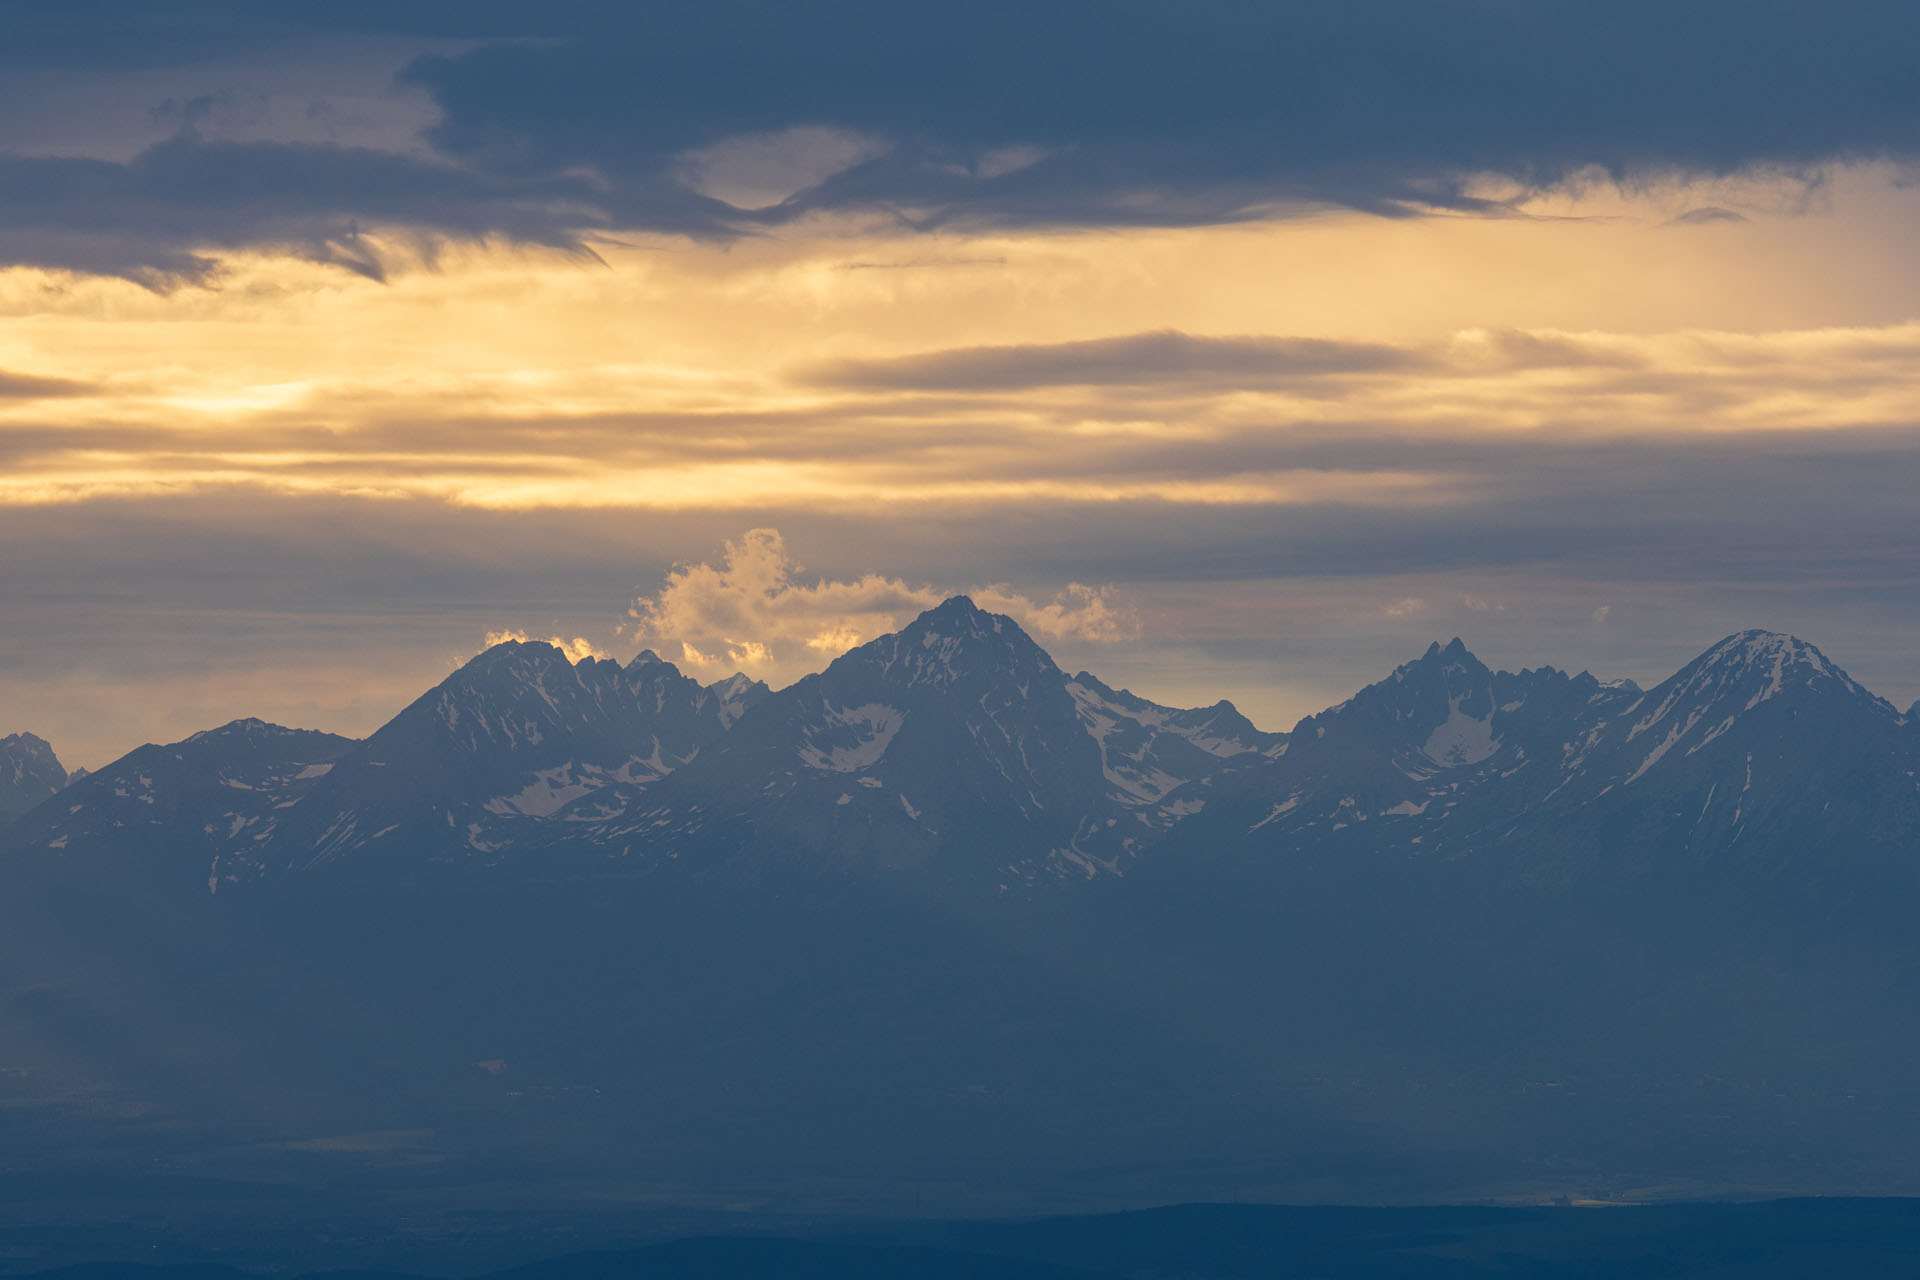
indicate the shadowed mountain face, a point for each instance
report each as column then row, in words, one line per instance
column 943, row 911
column 501, row 748
column 29, row 773
column 198, row 811
column 956, row 749
column 1760, row 748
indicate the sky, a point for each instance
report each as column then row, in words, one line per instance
column 1235, row 349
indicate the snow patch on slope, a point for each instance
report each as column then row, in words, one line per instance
column 855, row 739
column 1462, row 739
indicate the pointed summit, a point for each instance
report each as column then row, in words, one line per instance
column 1451, row 686
column 1436, row 712
column 29, row 773
column 737, row 693
column 956, row 642
column 1452, row 654
column 1743, row 699
column 956, row 616
column 1771, row 651
column 1752, row 667
column 514, row 663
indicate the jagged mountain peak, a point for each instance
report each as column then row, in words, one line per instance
column 959, row 619
column 517, row 656
column 29, row 772
column 1453, row 652
column 956, row 612
column 1423, row 689
column 518, row 686
column 21, row 753
column 1444, row 710
column 1452, row 664
column 245, row 729
column 514, row 737
column 952, row 643
column 735, row 695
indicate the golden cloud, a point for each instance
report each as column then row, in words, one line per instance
column 752, row 611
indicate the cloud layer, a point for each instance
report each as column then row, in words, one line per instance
column 505, row 315
column 557, row 123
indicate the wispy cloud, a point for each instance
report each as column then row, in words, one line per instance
column 1489, row 416
column 20, row 386
column 1132, row 360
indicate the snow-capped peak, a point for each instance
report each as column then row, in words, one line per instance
column 518, row 660
column 245, row 729
column 1704, row 701
column 735, row 694
column 957, row 616
column 954, row 641
column 1771, row 647
column 1761, row 665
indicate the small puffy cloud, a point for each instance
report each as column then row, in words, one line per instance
column 753, row 612
column 1079, row 612
column 756, row 171
column 578, row 649
column 1406, row 608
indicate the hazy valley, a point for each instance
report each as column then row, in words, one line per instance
column 946, row 927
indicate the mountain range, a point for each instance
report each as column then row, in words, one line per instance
column 943, row 909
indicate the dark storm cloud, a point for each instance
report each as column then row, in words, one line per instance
column 1201, row 110
column 562, row 119
column 155, row 217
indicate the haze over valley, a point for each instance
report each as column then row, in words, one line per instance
column 944, row 911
